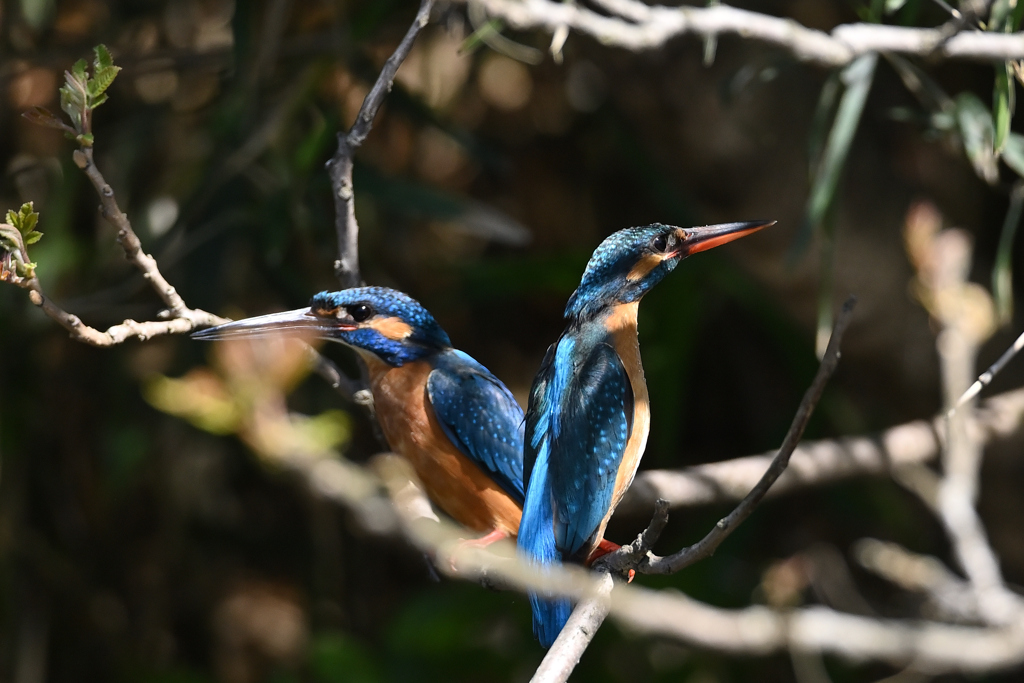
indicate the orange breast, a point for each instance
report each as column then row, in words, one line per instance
column 453, row 481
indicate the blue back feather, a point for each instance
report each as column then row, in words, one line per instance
column 480, row 416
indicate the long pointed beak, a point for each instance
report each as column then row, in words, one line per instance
column 299, row 322
column 711, row 236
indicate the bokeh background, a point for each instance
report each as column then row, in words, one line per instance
column 136, row 546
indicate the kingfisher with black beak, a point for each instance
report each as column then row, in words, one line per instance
column 447, row 414
column 588, row 415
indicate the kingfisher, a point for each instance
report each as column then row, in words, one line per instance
column 588, row 414
column 457, row 424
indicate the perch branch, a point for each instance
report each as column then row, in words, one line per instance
column 637, row 26
column 572, row 642
column 346, row 268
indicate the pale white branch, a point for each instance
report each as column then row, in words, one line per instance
column 638, row 26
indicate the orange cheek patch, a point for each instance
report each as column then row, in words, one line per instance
column 325, row 312
column 644, row 267
column 392, row 328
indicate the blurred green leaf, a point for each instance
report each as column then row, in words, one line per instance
column 999, row 17
column 1002, row 272
column 824, row 112
column 1003, row 102
column 978, row 135
column 1013, row 153
column 856, row 79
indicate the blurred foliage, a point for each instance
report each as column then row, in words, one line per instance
column 136, row 546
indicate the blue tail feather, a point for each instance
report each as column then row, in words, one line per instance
column 536, row 541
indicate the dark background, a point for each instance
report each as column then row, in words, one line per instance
column 134, row 546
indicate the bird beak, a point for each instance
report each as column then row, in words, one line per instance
column 711, row 236
column 301, row 322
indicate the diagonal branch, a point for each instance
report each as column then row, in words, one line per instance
column 637, row 555
column 346, row 268
column 707, row 545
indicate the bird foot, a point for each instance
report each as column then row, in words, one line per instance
column 482, row 542
column 606, row 547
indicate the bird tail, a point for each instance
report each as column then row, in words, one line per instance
column 536, row 540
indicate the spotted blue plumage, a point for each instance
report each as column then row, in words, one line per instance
column 606, row 280
column 427, row 335
column 480, row 416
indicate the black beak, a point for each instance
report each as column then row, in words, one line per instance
column 711, row 236
column 300, row 323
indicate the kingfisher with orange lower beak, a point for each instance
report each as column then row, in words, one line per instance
column 588, row 415
column 447, row 414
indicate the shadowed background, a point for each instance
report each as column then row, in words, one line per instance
column 136, row 546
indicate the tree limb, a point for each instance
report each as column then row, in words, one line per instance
column 346, row 268
column 637, row 26
column 821, row 462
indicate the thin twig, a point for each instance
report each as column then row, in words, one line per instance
column 707, row 545
column 639, row 26
column 346, row 268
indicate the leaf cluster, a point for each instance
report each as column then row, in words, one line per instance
column 79, row 96
column 15, row 235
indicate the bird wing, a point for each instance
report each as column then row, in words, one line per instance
column 480, row 417
column 588, row 433
column 538, row 413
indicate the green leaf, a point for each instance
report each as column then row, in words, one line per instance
column 1013, row 153
column 1003, row 104
column 103, row 58
column 978, row 135
column 33, row 237
column 101, row 81
column 999, row 17
column 25, row 219
column 78, row 70
column 1002, row 272
column 856, row 78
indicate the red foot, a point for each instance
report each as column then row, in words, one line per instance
column 606, row 547
column 481, row 542
column 484, row 541
column 603, row 548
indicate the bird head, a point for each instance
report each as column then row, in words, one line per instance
column 629, row 262
column 384, row 322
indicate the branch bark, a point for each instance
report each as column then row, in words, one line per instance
column 346, row 268
column 637, row 26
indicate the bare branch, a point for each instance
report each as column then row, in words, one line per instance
column 572, row 642
column 816, row 463
column 638, row 26
column 707, row 545
column 346, row 268
column 928, row 646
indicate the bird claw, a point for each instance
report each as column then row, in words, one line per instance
column 482, row 542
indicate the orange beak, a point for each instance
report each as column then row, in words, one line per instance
column 710, row 236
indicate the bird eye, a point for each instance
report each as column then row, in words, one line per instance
column 660, row 243
column 359, row 312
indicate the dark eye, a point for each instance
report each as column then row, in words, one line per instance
column 660, row 243
column 359, row 312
